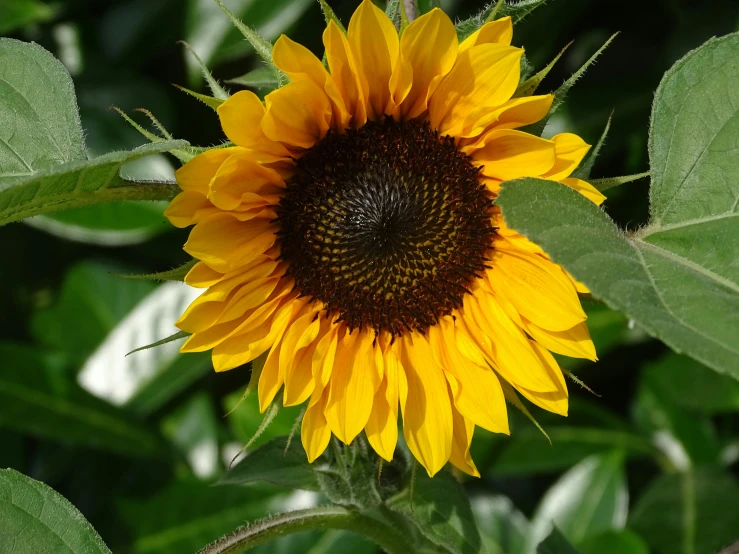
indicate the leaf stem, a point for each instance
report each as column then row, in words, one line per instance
column 319, row 518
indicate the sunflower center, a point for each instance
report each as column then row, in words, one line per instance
column 387, row 225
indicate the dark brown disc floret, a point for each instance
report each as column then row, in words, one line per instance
column 387, row 225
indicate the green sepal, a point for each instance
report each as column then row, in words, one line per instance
column 218, row 91
column 529, row 86
column 560, row 94
column 261, row 78
column 329, row 15
column 184, row 154
column 261, row 45
column 583, row 172
column 404, row 20
column 176, row 336
column 175, row 274
column 610, row 182
column 391, row 11
column 512, row 397
column 209, row 101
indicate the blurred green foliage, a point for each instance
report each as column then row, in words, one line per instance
column 136, row 443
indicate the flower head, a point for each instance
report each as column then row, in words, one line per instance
column 350, row 234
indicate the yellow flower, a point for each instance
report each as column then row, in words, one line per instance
column 350, row 235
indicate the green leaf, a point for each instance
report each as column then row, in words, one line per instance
column 188, row 514
column 81, row 183
column 692, row 386
column 38, row 398
column 272, row 463
column 91, row 302
column 684, row 304
column 528, row 452
column 260, row 78
column 34, row 519
column 193, row 428
column 111, row 374
column 685, row 438
column 588, row 499
column 20, row 13
column 503, row 528
column 441, row 512
column 39, row 122
column 555, row 543
column 688, row 512
column 615, row 542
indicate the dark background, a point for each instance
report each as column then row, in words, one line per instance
column 125, row 53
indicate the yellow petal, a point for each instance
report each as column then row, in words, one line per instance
column 518, row 112
column 298, row 370
column 298, row 115
column 241, row 116
column 512, row 154
column 382, row 426
column 187, row 208
column 201, row 276
column 240, row 180
column 482, row 77
column 537, row 288
column 427, row 411
column 300, row 64
column 325, row 355
column 345, row 71
column 504, row 343
column 352, row 386
column 196, row 174
column 374, row 42
column 555, row 402
column 428, row 49
column 314, row 431
column 499, row 31
column 586, row 189
column 573, row 342
column 460, row 456
column 569, row 151
column 225, row 243
column 475, row 388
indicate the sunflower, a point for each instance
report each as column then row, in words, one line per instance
column 350, row 236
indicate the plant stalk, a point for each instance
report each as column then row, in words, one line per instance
column 321, row 518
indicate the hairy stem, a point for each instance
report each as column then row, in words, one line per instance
column 323, row 518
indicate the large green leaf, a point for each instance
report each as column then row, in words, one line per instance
column 274, row 463
column 43, row 162
column 20, row 13
column 39, row 122
column 589, row 499
column 117, row 376
column 679, row 302
column 34, row 519
column 690, row 385
column 91, row 302
column 81, row 183
column 37, row 397
column 193, row 428
column 685, row 438
column 502, row 527
column 688, row 512
column 528, row 451
column 615, row 542
column 441, row 512
column 677, row 277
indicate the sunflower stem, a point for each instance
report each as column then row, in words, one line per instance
column 319, row 519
